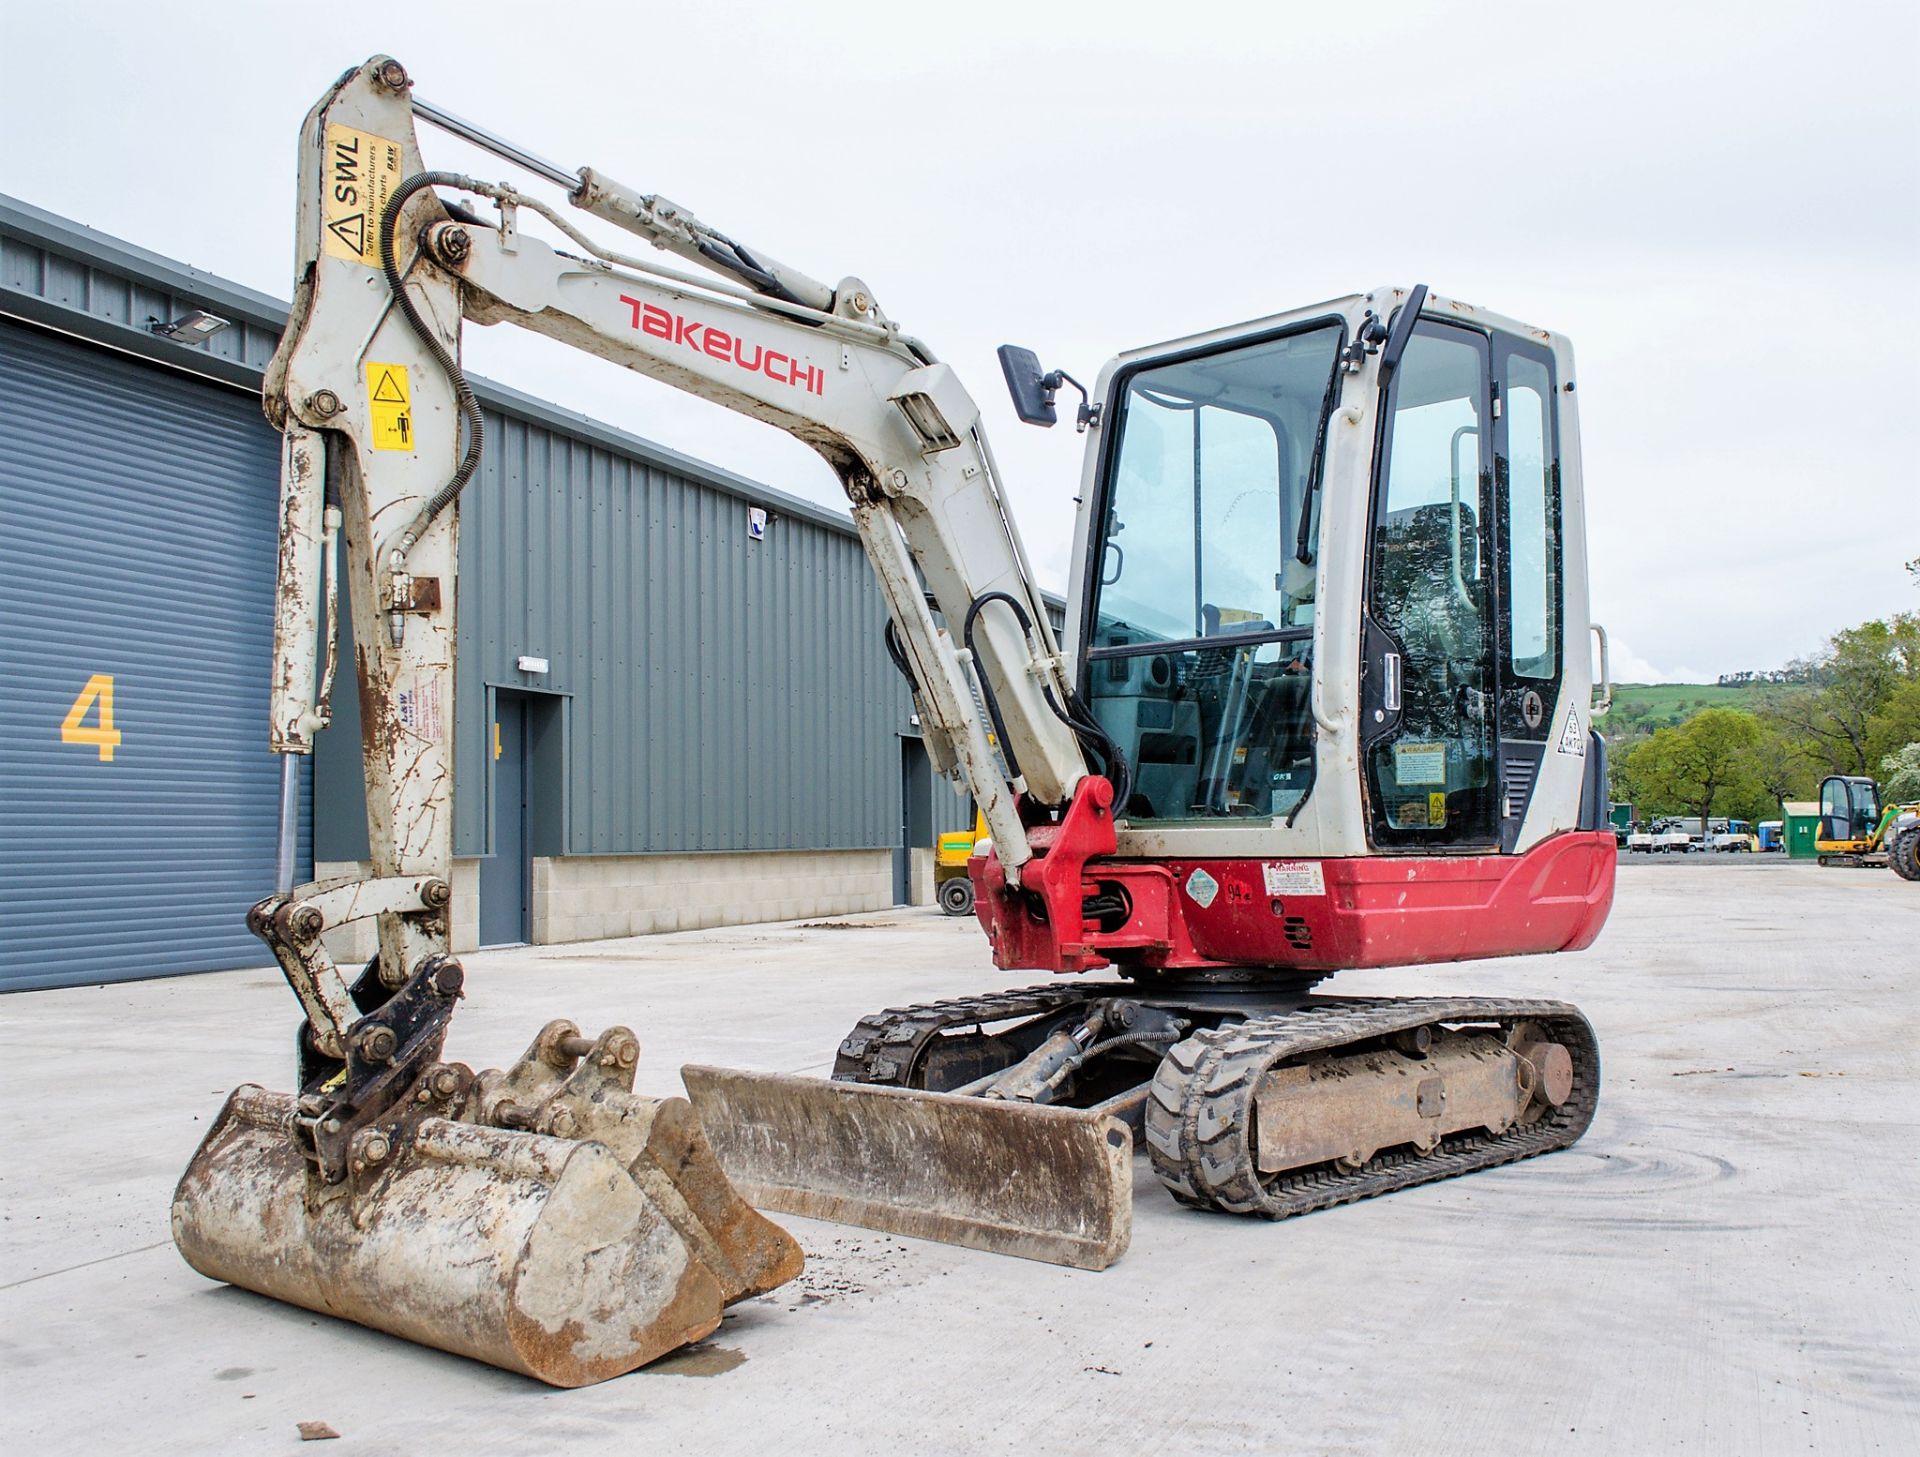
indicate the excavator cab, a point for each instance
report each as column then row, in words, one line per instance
column 1849, row 814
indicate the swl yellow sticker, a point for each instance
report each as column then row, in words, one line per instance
column 1436, row 809
column 389, row 406
column 359, row 172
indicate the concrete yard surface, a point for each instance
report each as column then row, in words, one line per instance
column 1724, row 1264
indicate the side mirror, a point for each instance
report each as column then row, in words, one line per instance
column 1027, row 383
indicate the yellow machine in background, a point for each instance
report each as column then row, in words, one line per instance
column 1856, row 830
column 952, row 886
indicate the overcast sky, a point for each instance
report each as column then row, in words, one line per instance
column 1716, row 203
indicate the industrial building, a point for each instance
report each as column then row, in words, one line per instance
column 674, row 706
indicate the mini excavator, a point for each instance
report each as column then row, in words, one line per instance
column 1323, row 702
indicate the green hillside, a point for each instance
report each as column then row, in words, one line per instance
column 1640, row 708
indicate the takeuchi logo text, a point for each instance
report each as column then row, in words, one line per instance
column 719, row 344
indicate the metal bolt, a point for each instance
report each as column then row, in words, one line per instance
column 629, row 1052
column 448, row 980
column 455, row 244
column 378, row 1044
column 374, row 1147
column 561, row 1123
column 861, row 303
column 444, row 1081
column 899, row 479
column 435, row 894
column 508, row 1114
column 324, row 403
column 332, row 1125
column 392, row 75
column 308, row 922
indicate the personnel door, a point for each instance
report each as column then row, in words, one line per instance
column 506, row 875
column 1428, row 654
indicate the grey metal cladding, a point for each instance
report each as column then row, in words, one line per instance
column 72, row 278
column 136, row 540
column 726, row 693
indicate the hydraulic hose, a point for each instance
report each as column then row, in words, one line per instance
column 463, row 392
column 1093, row 739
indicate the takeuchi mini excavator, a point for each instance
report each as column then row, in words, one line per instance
column 1322, row 703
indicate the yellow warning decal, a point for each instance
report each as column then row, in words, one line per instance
column 359, row 172
column 390, row 406
column 1436, row 809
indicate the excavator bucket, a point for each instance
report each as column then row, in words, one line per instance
column 543, row 1220
column 1044, row 1183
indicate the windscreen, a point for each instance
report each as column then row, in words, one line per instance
column 1199, row 655
column 1203, row 530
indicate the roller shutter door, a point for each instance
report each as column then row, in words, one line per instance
column 137, row 546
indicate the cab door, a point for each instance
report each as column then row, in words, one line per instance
column 1428, row 651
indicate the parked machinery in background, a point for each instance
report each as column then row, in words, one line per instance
column 952, row 885
column 1857, row 829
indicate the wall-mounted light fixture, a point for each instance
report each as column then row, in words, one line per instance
column 528, row 664
column 192, row 328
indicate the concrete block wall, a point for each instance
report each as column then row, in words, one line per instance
column 589, row 897
column 920, row 877
column 354, row 945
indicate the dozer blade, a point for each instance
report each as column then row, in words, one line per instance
column 539, row 1254
column 1044, row 1183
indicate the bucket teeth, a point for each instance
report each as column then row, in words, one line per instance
column 558, row 1088
column 549, row 1222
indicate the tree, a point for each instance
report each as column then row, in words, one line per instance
column 1900, row 775
column 1782, row 767
column 1847, row 683
column 1896, row 723
column 1706, row 760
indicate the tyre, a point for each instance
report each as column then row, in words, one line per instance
column 1904, row 856
column 956, row 896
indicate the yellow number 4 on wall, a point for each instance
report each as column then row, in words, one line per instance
column 104, row 735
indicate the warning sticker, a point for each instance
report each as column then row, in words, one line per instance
column 1437, row 808
column 1572, row 741
column 1420, row 763
column 390, row 406
column 1293, row 877
column 361, row 171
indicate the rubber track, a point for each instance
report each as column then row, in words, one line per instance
column 884, row 1047
column 1199, row 1114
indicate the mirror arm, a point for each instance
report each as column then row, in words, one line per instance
column 1087, row 414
